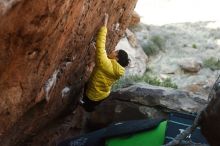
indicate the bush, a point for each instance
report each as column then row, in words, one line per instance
column 153, row 45
column 194, row 46
column 212, row 63
column 150, row 48
column 168, row 83
column 126, row 81
column 185, row 45
column 158, row 41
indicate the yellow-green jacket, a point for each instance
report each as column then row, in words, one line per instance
column 105, row 73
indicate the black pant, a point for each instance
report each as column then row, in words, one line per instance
column 90, row 105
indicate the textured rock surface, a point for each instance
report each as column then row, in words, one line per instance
column 168, row 98
column 45, row 47
column 190, row 65
column 209, row 121
column 135, row 19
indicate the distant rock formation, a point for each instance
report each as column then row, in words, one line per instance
column 46, row 46
column 186, row 53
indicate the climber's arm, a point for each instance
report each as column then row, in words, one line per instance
column 106, row 20
column 101, row 55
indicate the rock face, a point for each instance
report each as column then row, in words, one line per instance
column 209, row 121
column 135, row 19
column 45, row 48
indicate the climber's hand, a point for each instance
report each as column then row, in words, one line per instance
column 106, row 20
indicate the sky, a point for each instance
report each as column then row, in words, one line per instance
column 159, row 12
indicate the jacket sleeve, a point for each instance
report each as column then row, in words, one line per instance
column 101, row 56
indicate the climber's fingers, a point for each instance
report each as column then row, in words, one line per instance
column 93, row 45
column 106, row 19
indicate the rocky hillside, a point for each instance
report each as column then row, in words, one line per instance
column 45, row 48
column 187, row 53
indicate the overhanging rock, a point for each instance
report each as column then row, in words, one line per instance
column 46, row 47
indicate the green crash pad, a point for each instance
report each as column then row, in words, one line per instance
column 154, row 137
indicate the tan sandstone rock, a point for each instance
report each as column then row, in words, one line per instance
column 45, row 46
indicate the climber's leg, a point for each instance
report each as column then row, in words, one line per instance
column 88, row 104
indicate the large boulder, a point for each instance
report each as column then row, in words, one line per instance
column 209, row 120
column 141, row 101
column 168, row 98
column 190, row 64
column 46, row 47
column 135, row 19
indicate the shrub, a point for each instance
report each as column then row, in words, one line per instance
column 194, row 46
column 158, row 41
column 185, row 45
column 153, row 45
column 150, row 48
column 151, row 80
column 212, row 63
column 126, row 81
column 168, row 83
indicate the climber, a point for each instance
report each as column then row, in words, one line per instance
column 107, row 70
